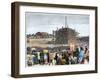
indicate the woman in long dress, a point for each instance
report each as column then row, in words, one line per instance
column 81, row 56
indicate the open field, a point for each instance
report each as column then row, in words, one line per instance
column 42, row 43
column 39, row 42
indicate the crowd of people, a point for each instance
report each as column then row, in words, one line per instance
column 80, row 55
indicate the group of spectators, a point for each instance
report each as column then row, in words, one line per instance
column 80, row 55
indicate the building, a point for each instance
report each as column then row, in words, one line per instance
column 65, row 36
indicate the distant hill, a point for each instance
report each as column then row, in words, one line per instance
column 40, row 35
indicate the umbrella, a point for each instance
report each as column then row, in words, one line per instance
column 45, row 51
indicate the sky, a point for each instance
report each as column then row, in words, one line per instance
column 47, row 22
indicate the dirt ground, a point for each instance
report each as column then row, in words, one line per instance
column 39, row 42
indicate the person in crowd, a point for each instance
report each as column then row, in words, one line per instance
column 45, row 58
column 56, row 58
column 38, row 56
column 33, row 59
column 45, row 52
column 75, row 55
column 81, row 56
column 66, row 57
column 71, row 58
column 41, row 58
column 58, row 62
column 35, row 56
column 63, row 61
column 60, row 59
column 86, row 55
column 28, row 50
column 52, row 60
column 29, row 60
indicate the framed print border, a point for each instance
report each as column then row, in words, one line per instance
column 15, row 39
